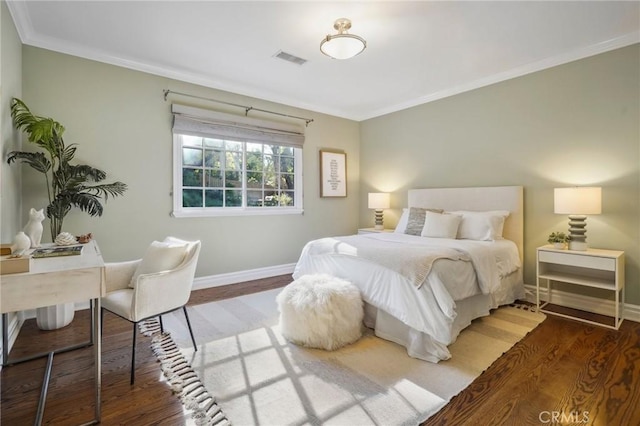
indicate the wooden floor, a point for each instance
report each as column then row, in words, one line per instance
column 564, row 372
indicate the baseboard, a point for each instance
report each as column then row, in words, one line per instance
column 584, row 303
column 200, row 283
column 241, row 276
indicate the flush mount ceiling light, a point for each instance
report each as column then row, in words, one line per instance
column 342, row 45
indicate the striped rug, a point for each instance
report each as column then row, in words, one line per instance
column 257, row 377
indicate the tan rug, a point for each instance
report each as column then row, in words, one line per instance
column 257, row 377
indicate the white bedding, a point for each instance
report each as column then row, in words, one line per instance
column 431, row 309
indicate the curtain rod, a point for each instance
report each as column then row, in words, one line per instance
column 246, row 108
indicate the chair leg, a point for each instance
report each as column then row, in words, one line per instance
column 195, row 347
column 161, row 325
column 101, row 321
column 133, row 353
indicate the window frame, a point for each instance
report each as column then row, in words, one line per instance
column 180, row 211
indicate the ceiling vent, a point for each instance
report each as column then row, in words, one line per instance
column 289, row 58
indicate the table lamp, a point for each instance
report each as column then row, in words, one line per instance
column 379, row 201
column 577, row 202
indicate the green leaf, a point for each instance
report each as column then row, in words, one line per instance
column 37, row 160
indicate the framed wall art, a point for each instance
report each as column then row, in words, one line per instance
column 333, row 173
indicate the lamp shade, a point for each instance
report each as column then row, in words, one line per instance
column 379, row 200
column 577, row 200
column 342, row 45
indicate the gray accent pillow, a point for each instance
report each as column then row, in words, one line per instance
column 416, row 220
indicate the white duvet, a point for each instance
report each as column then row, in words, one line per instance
column 431, row 308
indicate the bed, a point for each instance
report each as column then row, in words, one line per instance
column 421, row 290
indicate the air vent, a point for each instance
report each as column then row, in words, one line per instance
column 289, row 58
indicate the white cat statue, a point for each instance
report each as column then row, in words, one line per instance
column 33, row 228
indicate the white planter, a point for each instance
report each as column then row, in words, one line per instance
column 559, row 246
column 56, row 316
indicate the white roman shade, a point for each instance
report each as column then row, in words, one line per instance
column 212, row 124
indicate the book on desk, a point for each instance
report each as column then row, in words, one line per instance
column 43, row 252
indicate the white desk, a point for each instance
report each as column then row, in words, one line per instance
column 52, row 281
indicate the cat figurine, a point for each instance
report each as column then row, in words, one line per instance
column 33, row 228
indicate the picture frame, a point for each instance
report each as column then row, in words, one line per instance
column 333, row 173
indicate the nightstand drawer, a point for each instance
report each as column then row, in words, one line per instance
column 570, row 259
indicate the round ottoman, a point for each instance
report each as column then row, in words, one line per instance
column 320, row 311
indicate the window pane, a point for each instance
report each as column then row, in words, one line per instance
column 254, row 179
column 286, row 164
column 191, row 157
column 254, row 162
column 254, row 198
column 286, row 198
column 213, row 158
column 232, row 180
column 213, row 179
column 287, row 181
column 233, row 198
column 270, row 198
column 213, row 198
column 269, row 172
column 233, row 161
column 254, row 147
column 191, row 140
column 191, row 177
column 213, row 143
column 233, row 146
column 191, row 198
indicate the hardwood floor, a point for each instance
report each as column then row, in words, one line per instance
column 580, row 374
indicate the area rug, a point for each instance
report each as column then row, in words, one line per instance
column 258, row 378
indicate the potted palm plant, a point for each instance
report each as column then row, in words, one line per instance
column 68, row 185
column 558, row 239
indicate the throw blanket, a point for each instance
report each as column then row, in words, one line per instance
column 414, row 262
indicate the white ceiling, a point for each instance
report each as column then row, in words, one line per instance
column 417, row 51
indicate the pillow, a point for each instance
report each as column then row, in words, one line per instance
column 160, row 256
column 481, row 226
column 438, row 225
column 415, row 221
column 402, row 223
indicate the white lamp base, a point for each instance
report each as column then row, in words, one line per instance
column 379, row 225
column 577, row 232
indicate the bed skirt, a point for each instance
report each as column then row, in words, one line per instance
column 421, row 345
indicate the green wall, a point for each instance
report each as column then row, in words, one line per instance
column 575, row 124
column 10, row 86
column 122, row 124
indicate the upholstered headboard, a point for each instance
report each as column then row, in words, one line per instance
column 478, row 199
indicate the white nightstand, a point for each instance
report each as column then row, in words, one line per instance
column 372, row 231
column 596, row 268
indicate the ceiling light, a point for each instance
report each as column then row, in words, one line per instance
column 342, row 45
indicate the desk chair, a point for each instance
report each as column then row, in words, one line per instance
column 157, row 284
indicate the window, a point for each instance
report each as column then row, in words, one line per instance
column 242, row 171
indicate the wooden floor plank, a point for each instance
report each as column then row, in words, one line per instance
column 562, row 365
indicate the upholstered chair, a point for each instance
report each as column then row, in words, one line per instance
column 157, row 284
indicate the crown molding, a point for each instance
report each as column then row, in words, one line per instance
column 29, row 36
column 585, row 52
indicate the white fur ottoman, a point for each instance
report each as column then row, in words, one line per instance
column 320, row 311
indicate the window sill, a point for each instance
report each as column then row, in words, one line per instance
column 235, row 212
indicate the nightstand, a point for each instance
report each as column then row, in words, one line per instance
column 372, row 231
column 595, row 268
